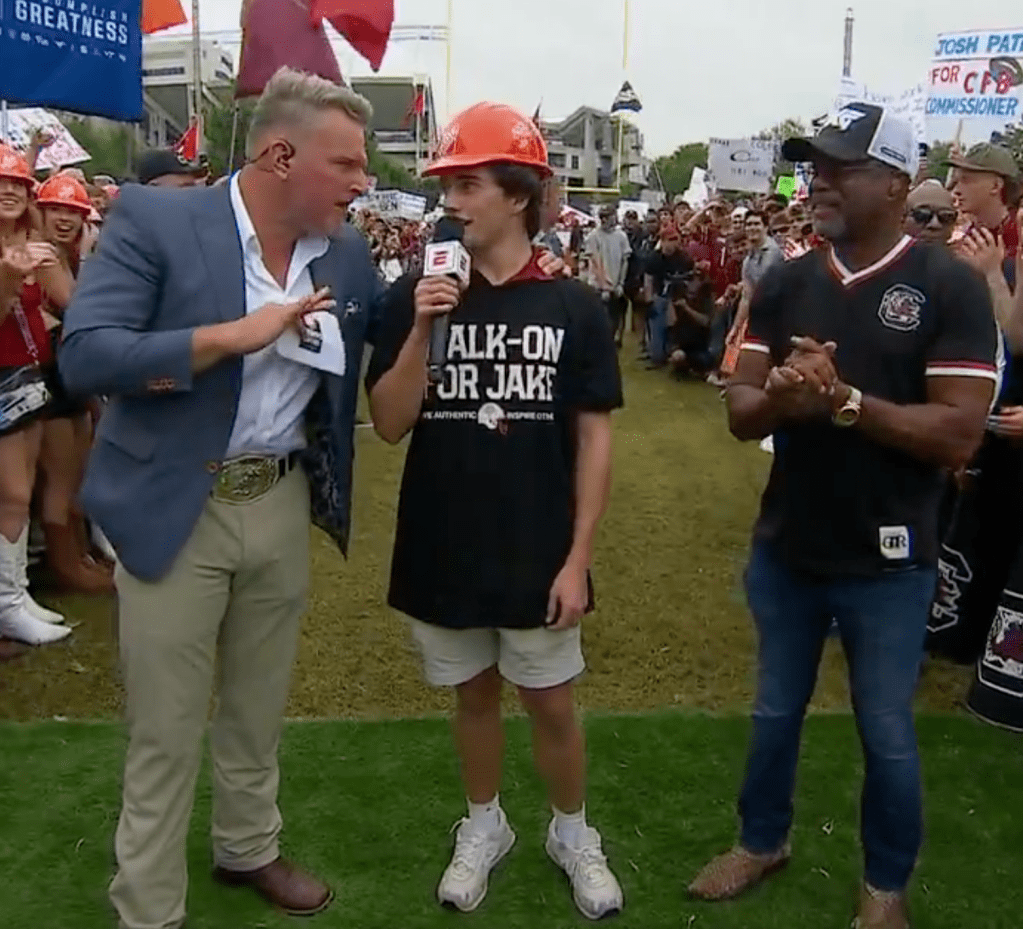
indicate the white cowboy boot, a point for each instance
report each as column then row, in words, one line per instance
column 16, row 622
column 36, row 609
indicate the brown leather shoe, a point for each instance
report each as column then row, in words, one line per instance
column 10, row 650
column 880, row 909
column 737, row 871
column 282, row 885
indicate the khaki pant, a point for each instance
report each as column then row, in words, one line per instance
column 227, row 613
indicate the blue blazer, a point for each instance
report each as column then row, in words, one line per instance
column 168, row 262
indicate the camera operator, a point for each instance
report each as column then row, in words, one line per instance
column 689, row 321
column 669, row 261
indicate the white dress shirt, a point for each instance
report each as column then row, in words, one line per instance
column 275, row 390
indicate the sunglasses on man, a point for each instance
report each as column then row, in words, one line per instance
column 922, row 215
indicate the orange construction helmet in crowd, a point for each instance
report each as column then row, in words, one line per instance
column 486, row 134
column 64, row 190
column 14, row 167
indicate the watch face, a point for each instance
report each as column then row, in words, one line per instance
column 847, row 416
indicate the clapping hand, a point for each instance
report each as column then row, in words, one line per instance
column 983, row 250
column 802, row 387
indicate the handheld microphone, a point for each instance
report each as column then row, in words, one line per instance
column 444, row 256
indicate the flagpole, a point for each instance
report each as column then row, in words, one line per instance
column 447, row 90
column 419, row 123
column 234, row 139
column 197, row 78
column 625, row 71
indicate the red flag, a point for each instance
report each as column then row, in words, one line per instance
column 188, row 144
column 277, row 34
column 161, row 14
column 416, row 108
column 366, row 24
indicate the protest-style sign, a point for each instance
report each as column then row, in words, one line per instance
column 392, row 204
column 698, row 193
column 70, row 55
column 910, row 104
column 786, row 185
column 63, row 150
column 742, row 164
column 977, row 77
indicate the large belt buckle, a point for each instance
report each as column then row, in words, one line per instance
column 246, row 479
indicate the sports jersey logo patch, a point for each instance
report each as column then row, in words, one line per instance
column 894, row 542
column 901, row 307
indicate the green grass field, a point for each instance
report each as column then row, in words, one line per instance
column 369, row 806
column 671, row 627
column 369, row 786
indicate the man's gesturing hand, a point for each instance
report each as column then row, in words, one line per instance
column 256, row 331
column 570, row 595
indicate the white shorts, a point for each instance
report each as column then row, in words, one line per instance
column 535, row 659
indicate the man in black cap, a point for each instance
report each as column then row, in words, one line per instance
column 871, row 363
column 162, row 167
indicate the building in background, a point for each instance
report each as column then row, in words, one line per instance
column 167, row 65
column 583, row 150
column 404, row 121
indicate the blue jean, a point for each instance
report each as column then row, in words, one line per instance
column 657, row 330
column 882, row 621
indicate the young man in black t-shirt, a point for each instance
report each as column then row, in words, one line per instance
column 665, row 274
column 872, row 364
column 507, row 477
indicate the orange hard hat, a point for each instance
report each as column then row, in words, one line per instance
column 14, row 167
column 486, row 134
column 64, row 190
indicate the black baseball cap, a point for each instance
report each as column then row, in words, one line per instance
column 857, row 132
column 159, row 162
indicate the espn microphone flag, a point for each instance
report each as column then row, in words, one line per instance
column 365, row 24
column 278, row 34
column 627, row 99
column 161, row 14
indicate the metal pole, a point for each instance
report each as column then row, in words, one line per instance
column 847, row 53
column 5, row 128
column 625, row 71
column 197, row 78
column 234, row 138
column 417, row 116
column 447, row 90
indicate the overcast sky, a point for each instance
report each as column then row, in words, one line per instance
column 702, row 68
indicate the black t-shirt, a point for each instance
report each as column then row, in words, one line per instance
column 661, row 267
column 486, row 514
column 838, row 502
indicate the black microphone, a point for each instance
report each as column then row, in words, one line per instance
column 445, row 256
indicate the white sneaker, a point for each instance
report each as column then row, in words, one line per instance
column 464, row 883
column 595, row 889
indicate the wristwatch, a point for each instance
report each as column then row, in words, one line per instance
column 848, row 414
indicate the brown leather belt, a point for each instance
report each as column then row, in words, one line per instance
column 249, row 478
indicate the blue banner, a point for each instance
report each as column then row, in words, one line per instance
column 74, row 55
